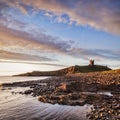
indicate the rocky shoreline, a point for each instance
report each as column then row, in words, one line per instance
column 79, row 90
column 108, row 109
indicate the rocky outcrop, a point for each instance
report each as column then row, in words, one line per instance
column 107, row 109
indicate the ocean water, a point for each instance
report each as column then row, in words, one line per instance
column 10, row 79
column 25, row 107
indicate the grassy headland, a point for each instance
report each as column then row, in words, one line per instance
column 67, row 71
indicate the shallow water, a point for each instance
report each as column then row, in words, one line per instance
column 100, row 93
column 25, row 107
column 10, row 79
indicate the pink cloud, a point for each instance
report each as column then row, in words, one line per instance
column 99, row 14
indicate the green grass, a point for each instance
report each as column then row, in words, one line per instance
column 95, row 68
column 69, row 70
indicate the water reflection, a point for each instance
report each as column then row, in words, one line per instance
column 6, row 79
column 25, row 107
column 99, row 93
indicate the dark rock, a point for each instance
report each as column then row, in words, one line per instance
column 28, row 92
column 74, row 96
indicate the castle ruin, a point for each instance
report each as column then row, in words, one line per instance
column 91, row 62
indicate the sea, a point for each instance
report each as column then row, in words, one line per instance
column 26, row 107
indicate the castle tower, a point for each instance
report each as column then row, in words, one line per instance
column 91, row 62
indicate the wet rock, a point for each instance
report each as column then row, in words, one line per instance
column 42, row 99
column 106, row 110
column 74, row 86
column 28, row 92
column 74, row 96
column 92, row 87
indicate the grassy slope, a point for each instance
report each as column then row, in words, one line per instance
column 95, row 68
column 111, row 71
column 69, row 70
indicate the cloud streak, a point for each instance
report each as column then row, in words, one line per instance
column 26, row 46
column 31, row 62
column 99, row 14
column 6, row 55
column 97, row 54
column 32, row 40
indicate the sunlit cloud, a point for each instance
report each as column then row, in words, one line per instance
column 37, row 40
column 18, row 56
column 26, row 46
column 99, row 14
column 31, row 62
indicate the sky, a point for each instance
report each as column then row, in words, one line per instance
column 53, row 34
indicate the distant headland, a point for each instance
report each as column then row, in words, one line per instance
column 69, row 70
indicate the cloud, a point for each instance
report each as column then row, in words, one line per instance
column 6, row 55
column 97, row 54
column 32, row 40
column 18, row 38
column 26, row 46
column 99, row 14
column 57, row 18
column 31, row 62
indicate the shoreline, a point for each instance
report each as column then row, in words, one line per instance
column 74, row 90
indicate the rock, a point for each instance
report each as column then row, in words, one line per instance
column 92, row 88
column 28, row 92
column 74, row 96
column 42, row 99
column 106, row 110
column 54, row 97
